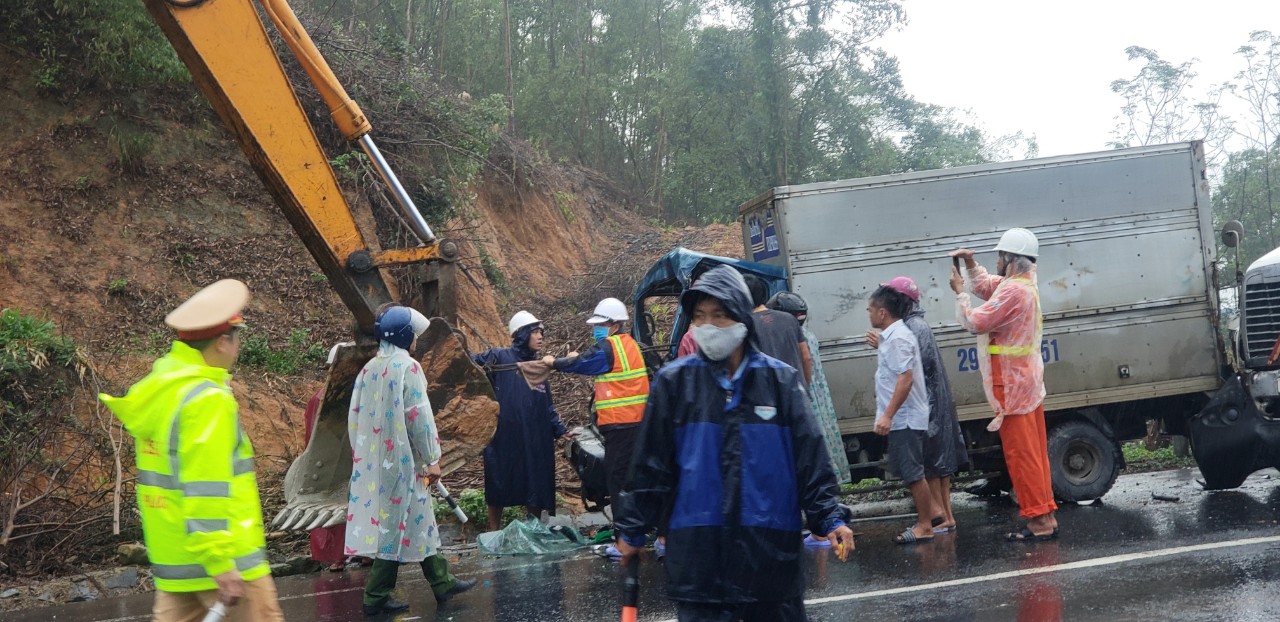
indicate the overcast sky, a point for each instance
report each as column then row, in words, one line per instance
column 1046, row 67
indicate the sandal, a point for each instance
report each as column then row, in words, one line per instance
column 336, row 567
column 909, row 537
column 937, row 530
column 1026, row 535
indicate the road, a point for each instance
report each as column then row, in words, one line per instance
column 1207, row 556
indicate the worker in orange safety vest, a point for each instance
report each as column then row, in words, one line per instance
column 621, row 385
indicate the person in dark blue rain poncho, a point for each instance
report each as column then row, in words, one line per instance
column 519, row 463
column 730, row 456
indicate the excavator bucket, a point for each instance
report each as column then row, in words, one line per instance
column 466, row 414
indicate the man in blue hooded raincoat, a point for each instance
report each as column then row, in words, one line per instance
column 730, row 456
column 519, row 463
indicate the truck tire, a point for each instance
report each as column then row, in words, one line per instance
column 1083, row 461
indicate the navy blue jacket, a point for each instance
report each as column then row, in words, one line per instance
column 734, row 461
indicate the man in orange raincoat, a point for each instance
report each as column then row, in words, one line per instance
column 1008, row 326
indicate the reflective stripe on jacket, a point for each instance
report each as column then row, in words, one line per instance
column 621, row 394
column 196, row 488
column 1027, row 345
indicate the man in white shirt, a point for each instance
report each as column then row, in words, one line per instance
column 902, row 404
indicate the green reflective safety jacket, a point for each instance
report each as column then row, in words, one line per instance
column 196, row 487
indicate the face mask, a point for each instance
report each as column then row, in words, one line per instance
column 718, row 343
column 600, row 332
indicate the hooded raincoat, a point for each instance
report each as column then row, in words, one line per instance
column 519, row 463
column 731, row 462
column 393, row 434
column 1008, row 328
column 1008, row 325
column 944, row 449
column 825, row 411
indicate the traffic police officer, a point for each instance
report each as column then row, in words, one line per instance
column 196, row 488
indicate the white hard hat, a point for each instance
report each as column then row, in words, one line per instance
column 609, row 310
column 520, row 320
column 1019, row 241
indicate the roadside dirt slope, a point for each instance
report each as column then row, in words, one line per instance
column 106, row 247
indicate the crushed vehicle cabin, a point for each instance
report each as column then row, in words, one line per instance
column 1238, row 432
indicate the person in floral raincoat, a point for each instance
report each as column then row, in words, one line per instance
column 395, row 454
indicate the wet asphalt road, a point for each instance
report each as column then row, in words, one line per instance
column 1208, row 556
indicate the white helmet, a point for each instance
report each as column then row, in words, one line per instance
column 609, row 310
column 520, row 320
column 1019, row 241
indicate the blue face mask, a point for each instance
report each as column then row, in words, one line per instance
column 600, row 332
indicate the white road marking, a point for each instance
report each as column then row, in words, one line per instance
column 1087, row 563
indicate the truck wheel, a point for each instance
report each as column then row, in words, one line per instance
column 1084, row 463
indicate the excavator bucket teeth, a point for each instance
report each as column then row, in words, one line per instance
column 462, row 399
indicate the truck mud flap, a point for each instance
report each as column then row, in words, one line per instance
column 1232, row 438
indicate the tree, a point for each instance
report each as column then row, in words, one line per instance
column 1158, row 106
column 1244, row 194
column 1249, row 192
column 696, row 117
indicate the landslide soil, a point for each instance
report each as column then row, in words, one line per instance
column 105, row 242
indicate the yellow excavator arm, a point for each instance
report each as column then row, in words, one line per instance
column 231, row 59
column 225, row 46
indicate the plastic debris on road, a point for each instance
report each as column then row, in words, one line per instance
column 530, row 537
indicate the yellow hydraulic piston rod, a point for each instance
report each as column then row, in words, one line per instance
column 344, row 111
